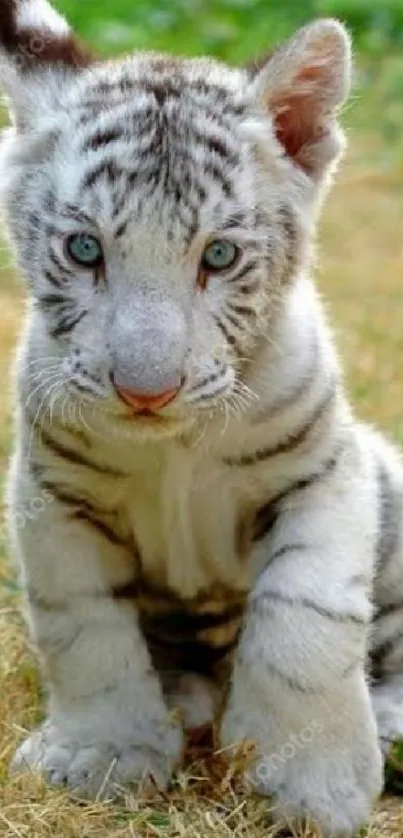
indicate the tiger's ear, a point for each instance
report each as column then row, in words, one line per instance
column 37, row 54
column 302, row 87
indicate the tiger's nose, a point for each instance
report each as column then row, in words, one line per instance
column 147, row 401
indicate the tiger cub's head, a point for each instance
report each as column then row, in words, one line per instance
column 161, row 208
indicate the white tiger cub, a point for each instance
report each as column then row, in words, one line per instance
column 223, row 537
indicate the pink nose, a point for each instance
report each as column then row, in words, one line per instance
column 143, row 401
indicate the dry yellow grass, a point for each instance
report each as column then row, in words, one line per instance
column 361, row 273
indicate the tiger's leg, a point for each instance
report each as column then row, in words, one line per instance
column 387, row 635
column 299, row 689
column 107, row 721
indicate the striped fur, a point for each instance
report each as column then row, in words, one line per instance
column 239, row 553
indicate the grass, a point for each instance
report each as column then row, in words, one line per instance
column 360, row 275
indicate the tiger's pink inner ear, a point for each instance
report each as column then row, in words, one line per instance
column 302, row 87
column 297, row 117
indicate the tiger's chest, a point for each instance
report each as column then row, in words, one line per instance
column 186, row 518
column 193, row 577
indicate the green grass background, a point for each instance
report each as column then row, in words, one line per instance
column 229, row 28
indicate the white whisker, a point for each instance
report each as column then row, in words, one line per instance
column 52, row 377
column 37, row 416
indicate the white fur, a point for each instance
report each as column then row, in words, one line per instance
column 36, row 14
column 180, row 494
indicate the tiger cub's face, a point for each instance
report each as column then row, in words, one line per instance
column 162, row 208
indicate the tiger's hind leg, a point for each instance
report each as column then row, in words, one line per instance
column 387, row 701
column 386, row 653
column 196, row 698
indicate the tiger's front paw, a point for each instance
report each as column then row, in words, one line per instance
column 335, row 790
column 99, row 768
column 329, row 777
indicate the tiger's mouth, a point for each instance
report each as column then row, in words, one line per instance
column 147, row 413
column 151, row 424
column 147, row 419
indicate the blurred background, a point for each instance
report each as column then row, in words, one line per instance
column 359, row 272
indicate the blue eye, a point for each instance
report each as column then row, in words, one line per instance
column 220, row 255
column 85, row 250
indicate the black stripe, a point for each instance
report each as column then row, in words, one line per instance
column 34, row 223
column 105, row 168
column 51, row 231
column 190, row 224
column 73, row 456
column 196, row 657
column 253, row 265
column 67, row 324
column 292, row 442
column 82, row 510
column 172, row 625
column 215, row 376
column 60, row 267
column 214, row 171
column 267, row 514
column 169, row 598
column 289, row 224
column 162, row 90
column 389, row 515
column 306, row 482
column 376, row 663
column 232, row 320
column 104, row 88
column 379, row 655
column 121, row 229
column 188, row 179
column 389, row 645
column 243, row 311
column 103, row 138
column 48, row 301
column 86, row 514
column 210, row 89
column 180, row 626
column 49, row 203
column 120, row 205
column 305, row 602
column 52, row 279
column 388, row 609
column 184, row 653
column 264, row 521
column 216, row 145
column 66, row 496
column 231, row 339
column 248, row 289
column 83, row 388
column 130, row 590
column 296, row 547
column 74, row 211
column 238, row 219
